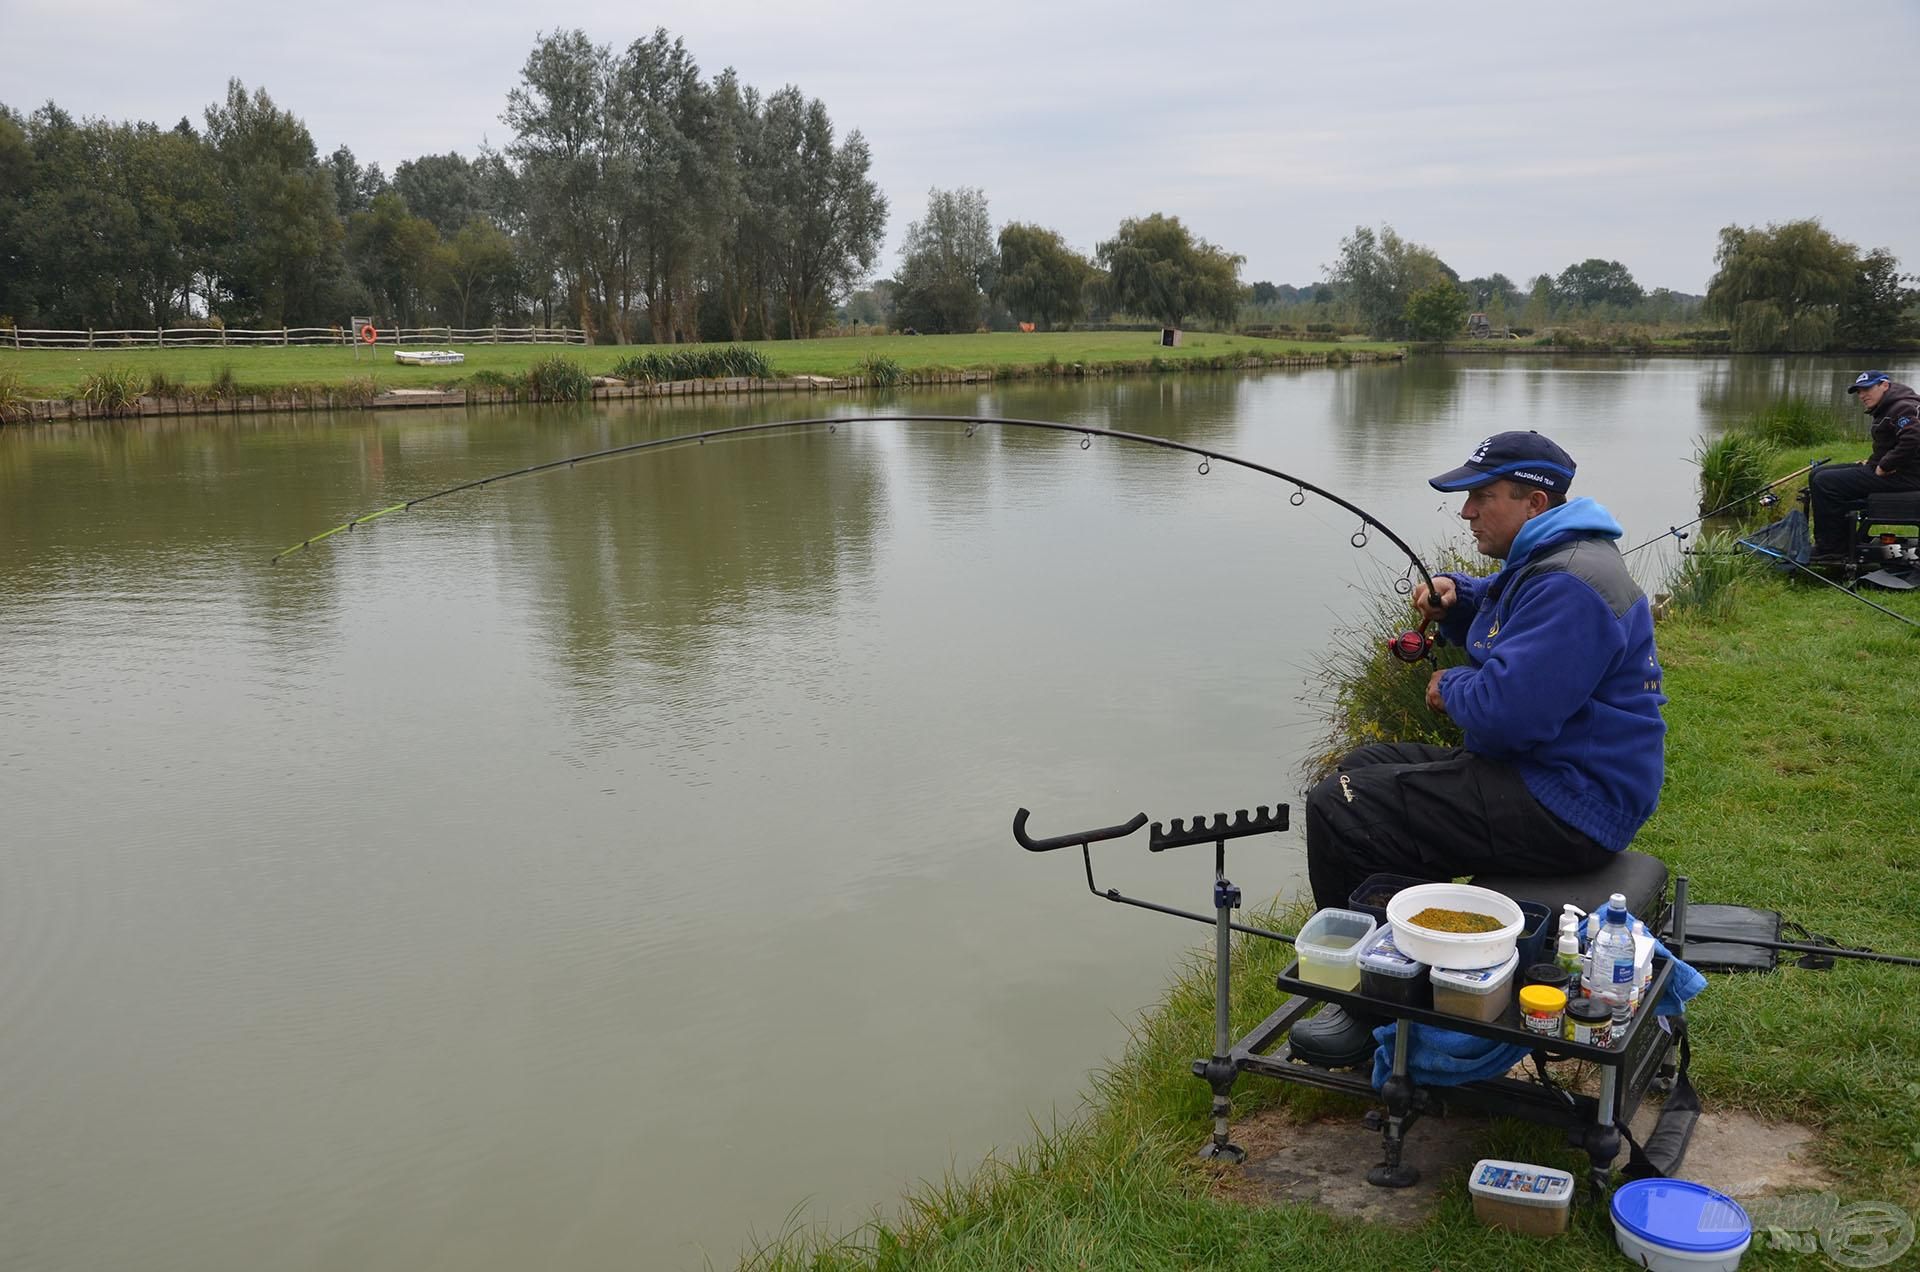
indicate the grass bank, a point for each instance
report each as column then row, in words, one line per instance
column 1792, row 783
column 58, row 373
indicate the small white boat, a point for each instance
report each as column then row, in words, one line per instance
column 428, row 357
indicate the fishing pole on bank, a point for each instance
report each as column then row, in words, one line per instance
column 1675, row 532
column 971, row 422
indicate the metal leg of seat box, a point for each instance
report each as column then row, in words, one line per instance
column 1221, row 1070
column 1392, row 1172
column 1603, row 1138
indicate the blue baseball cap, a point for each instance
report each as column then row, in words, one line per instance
column 1868, row 379
column 1524, row 457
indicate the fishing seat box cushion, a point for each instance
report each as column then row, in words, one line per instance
column 1635, row 875
column 1894, row 507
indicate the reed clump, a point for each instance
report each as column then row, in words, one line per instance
column 14, row 402
column 727, row 362
column 880, row 371
column 559, row 379
column 113, row 391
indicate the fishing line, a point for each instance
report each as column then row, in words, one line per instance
column 1086, row 433
column 1813, row 573
column 1675, row 531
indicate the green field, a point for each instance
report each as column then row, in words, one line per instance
column 58, row 372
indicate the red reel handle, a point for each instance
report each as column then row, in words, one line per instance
column 1412, row 646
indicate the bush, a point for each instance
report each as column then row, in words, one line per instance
column 13, row 398
column 497, row 382
column 1716, row 333
column 1707, row 580
column 1802, row 422
column 358, row 391
column 222, row 385
column 1364, row 694
column 884, row 373
column 113, row 391
column 559, row 379
column 160, row 385
column 1323, row 328
column 1733, row 468
column 654, row 367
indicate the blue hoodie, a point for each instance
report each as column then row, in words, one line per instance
column 1564, row 683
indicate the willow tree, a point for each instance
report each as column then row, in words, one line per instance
column 1039, row 276
column 1156, row 267
column 1780, row 288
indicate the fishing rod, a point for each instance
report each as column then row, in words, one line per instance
column 1812, row 573
column 1675, row 531
column 972, row 422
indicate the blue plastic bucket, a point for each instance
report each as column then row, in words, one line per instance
column 1679, row 1226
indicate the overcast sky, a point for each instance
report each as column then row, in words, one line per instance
column 1510, row 137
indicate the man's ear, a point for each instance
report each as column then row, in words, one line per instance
column 1536, row 502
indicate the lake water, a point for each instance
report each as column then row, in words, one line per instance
column 596, row 870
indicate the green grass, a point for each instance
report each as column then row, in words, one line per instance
column 1792, row 783
column 58, row 372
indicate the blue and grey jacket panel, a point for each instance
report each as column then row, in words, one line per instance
column 1564, row 681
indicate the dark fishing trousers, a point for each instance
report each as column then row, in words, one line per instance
column 1432, row 812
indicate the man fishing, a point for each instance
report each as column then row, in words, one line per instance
column 1560, row 704
column 1893, row 466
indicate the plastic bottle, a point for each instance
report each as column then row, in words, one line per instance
column 1610, row 961
column 1567, row 953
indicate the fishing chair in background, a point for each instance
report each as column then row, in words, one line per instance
column 1886, row 559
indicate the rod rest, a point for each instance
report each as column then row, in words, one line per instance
column 1078, row 837
column 1178, row 834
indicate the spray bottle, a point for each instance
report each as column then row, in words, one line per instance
column 1567, row 953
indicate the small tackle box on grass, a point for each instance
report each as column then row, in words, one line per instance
column 1521, row 1197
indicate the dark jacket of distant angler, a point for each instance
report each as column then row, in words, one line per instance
column 1896, row 432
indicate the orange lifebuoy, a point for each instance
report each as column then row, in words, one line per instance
column 367, row 333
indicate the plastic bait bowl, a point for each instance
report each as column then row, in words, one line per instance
column 1673, row 1225
column 1455, row 949
column 1329, row 946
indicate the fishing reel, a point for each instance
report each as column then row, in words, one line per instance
column 1412, row 645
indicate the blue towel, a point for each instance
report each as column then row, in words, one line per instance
column 1447, row 1057
column 1685, row 982
column 1444, row 1057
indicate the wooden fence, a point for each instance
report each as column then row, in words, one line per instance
column 240, row 337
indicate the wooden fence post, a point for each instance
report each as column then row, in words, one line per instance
column 89, row 337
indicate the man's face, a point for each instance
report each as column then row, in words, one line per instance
column 1496, row 511
column 1870, row 397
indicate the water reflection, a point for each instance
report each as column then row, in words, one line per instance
column 1731, row 389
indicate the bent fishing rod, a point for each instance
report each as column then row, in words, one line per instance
column 972, row 422
column 1675, row 531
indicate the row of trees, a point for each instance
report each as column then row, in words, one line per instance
column 956, row 275
column 636, row 199
column 1785, row 288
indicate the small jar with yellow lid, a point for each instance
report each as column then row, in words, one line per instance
column 1543, row 1009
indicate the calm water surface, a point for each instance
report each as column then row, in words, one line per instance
column 594, row 871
